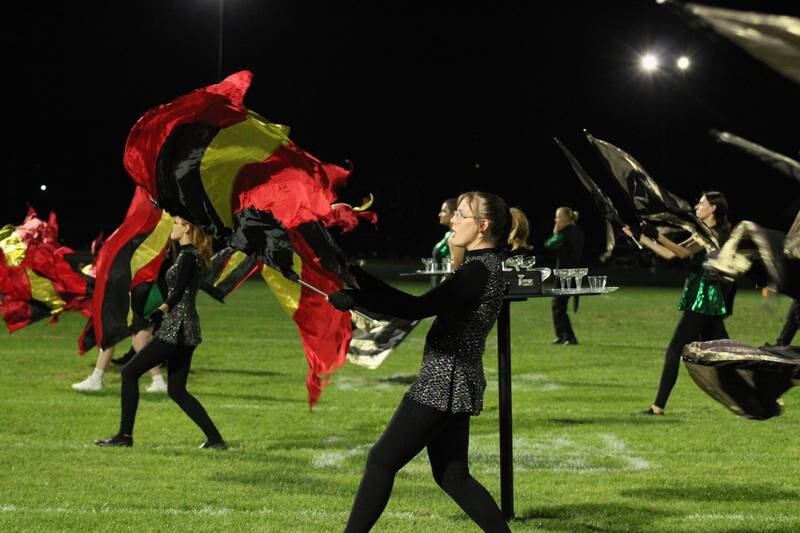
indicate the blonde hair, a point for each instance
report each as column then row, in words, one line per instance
column 571, row 214
column 520, row 230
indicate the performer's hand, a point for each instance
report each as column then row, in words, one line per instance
column 648, row 230
column 342, row 300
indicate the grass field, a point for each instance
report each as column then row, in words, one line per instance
column 584, row 460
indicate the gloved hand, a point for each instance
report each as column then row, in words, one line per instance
column 156, row 317
column 648, row 230
column 342, row 300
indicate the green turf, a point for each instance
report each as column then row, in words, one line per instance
column 584, row 461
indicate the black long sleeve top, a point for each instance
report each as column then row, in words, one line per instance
column 466, row 306
column 181, row 324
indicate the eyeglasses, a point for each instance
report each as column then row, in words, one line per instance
column 459, row 215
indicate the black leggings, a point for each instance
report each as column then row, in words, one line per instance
column 692, row 327
column 413, row 427
column 179, row 360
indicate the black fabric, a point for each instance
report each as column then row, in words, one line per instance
column 692, row 327
column 413, row 427
column 462, row 289
column 561, row 322
column 260, row 234
column 179, row 361
column 187, row 263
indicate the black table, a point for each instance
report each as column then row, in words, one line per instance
column 504, row 388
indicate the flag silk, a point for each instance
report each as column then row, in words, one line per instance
column 772, row 39
column 324, row 331
column 651, row 201
column 781, row 163
column 601, row 200
column 207, row 158
column 38, row 277
column 126, row 273
column 375, row 336
column 746, row 379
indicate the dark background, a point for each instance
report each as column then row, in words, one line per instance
column 426, row 100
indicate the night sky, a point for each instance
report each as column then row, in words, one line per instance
column 425, row 101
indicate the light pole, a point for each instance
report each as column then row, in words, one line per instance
column 219, row 40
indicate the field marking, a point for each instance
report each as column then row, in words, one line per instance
column 209, row 511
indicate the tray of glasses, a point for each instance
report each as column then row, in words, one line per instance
column 579, row 292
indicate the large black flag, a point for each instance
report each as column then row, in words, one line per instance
column 781, row 163
column 746, row 379
column 772, row 39
column 652, row 202
column 601, row 200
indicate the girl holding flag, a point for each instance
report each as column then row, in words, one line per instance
column 435, row 412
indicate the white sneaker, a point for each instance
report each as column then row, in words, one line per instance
column 157, row 386
column 88, row 385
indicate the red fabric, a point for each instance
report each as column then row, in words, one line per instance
column 291, row 184
column 325, row 331
column 142, row 217
column 343, row 216
column 45, row 258
column 219, row 105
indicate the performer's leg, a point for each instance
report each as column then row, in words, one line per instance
column 561, row 323
column 178, row 365
column 688, row 330
column 151, row 355
column 790, row 326
column 448, row 453
column 411, row 428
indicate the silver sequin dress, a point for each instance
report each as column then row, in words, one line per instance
column 181, row 324
column 451, row 378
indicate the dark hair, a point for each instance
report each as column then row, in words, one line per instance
column 451, row 204
column 718, row 200
column 490, row 207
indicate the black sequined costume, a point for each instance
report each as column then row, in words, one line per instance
column 181, row 324
column 466, row 306
column 174, row 343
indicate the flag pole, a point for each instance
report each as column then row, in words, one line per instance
column 323, row 293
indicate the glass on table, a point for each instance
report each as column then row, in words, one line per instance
column 427, row 264
column 560, row 274
column 579, row 274
column 597, row 283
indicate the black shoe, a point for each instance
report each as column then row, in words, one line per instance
column 559, row 340
column 570, row 342
column 117, row 440
column 649, row 412
column 122, row 361
column 215, row 445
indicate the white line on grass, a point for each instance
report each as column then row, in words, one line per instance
column 208, row 511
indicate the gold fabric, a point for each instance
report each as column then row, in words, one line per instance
column 234, row 261
column 42, row 290
column 287, row 292
column 12, row 245
column 250, row 141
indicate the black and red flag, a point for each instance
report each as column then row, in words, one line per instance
column 38, row 277
column 207, row 158
column 126, row 274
